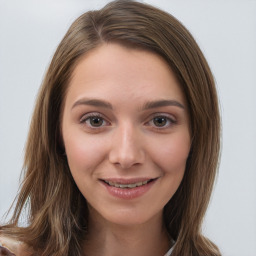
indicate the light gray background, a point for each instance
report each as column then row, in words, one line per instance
column 225, row 30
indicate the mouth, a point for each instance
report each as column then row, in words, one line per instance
column 127, row 185
column 128, row 188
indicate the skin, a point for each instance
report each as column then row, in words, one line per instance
column 130, row 138
column 12, row 247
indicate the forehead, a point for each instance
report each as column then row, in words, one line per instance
column 116, row 72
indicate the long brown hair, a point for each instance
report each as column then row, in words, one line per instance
column 57, row 211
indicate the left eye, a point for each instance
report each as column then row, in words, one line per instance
column 161, row 121
column 95, row 121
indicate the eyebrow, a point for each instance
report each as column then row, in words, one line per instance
column 93, row 102
column 146, row 106
column 162, row 103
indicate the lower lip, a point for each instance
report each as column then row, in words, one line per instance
column 129, row 193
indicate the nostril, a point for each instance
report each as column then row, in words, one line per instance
column 126, row 157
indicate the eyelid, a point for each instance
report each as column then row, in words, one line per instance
column 90, row 114
column 167, row 115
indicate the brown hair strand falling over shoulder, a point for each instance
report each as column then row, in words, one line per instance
column 58, row 212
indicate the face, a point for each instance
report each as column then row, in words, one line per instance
column 126, row 133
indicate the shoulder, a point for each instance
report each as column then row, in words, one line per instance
column 13, row 247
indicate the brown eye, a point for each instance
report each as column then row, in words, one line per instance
column 95, row 121
column 160, row 121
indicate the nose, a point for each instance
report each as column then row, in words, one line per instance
column 126, row 147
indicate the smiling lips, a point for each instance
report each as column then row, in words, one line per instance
column 128, row 189
column 129, row 185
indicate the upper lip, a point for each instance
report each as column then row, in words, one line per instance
column 127, row 181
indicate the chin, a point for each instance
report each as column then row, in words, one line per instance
column 131, row 217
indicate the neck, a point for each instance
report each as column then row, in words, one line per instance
column 111, row 239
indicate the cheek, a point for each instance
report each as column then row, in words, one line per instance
column 171, row 159
column 171, row 155
column 83, row 153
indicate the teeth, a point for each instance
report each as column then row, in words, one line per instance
column 132, row 185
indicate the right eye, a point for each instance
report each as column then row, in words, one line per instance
column 93, row 120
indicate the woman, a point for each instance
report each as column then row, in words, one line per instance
column 123, row 146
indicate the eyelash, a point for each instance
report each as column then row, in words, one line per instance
column 88, row 117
